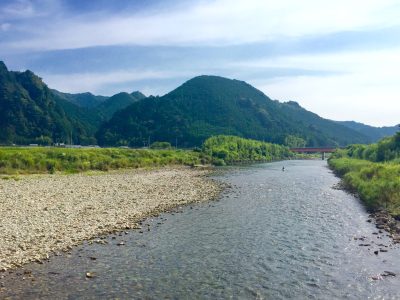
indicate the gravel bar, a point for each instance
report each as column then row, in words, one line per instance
column 45, row 214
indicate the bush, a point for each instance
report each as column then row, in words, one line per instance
column 160, row 145
column 50, row 160
column 377, row 183
column 232, row 149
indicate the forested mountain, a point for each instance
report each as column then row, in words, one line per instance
column 204, row 106
column 29, row 112
column 211, row 105
column 328, row 132
column 87, row 100
column 117, row 102
column 373, row 133
column 102, row 106
column 84, row 119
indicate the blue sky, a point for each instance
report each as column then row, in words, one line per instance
column 340, row 59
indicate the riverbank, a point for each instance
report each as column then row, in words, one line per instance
column 42, row 160
column 372, row 172
column 45, row 214
column 216, row 150
column 375, row 185
column 236, row 247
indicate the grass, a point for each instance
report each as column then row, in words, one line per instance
column 51, row 160
column 218, row 150
column 377, row 184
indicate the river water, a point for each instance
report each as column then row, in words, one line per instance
column 273, row 235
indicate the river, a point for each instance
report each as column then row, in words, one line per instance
column 273, row 235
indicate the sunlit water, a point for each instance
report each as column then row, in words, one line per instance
column 274, row 235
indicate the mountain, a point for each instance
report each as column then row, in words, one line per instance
column 117, row 102
column 373, row 133
column 96, row 109
column 204, row 106
column 83, row 118
column 29, row 112
column 210, row 105
column 102, row 105
column 87, row 100
column 328, row 132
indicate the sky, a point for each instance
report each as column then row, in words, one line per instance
column 339, row 59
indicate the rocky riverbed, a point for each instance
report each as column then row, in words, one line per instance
column 42, row 215
column 381, row 218
column 384, row 221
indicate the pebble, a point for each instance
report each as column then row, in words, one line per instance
column 56, row 212
column 388, row 273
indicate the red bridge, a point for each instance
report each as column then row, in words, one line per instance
column 321, row 150
column 314, row 150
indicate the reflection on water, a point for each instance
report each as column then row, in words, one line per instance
column 274, row 235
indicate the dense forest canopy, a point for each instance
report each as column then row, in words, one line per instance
column 30, row 112
column 209, row 105
column 202, row 107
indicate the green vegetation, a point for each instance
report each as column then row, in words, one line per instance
column 231, row 149
column 160, row 145
column 373, row 133
column 293, row 141
column 373, row 172
column 206, row 106
column 87, row 100
column 50, row 160
column 107, row 108
column 32, row 113
column 202, row 107
column 219, row 150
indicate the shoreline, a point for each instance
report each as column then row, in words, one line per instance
column 41, row 215
column 382, row 219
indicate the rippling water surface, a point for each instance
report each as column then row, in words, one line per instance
column 274, row 235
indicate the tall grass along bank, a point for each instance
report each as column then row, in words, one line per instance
column 50, row 160
column 218, row 150
column 373, row 172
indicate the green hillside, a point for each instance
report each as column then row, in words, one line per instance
column 373, row 133
column 117, row 102
column 29, row 112
column 200, row 108
column 209, row 105
column 87, row 100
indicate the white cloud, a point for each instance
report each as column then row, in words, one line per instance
column 18, row 9
column 339, row 98
column 219, row 22
column 5, row 26
column 364, row 86
column 94, row 82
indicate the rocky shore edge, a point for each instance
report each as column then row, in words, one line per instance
column 45, row 215
column 381, row 218
column 384, row 221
